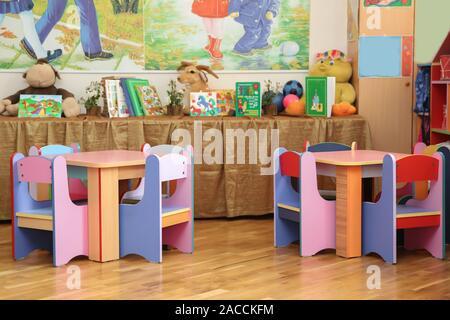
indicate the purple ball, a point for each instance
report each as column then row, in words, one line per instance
column 278, row 101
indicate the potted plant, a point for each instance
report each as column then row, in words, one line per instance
column 176, row 97
column 94, row 93
column 270, row 91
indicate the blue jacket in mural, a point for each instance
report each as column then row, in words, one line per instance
column 252, row 12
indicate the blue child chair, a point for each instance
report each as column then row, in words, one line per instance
column 156, row 220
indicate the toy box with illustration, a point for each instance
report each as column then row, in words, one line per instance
column 204, row 104
column 40, row 106
column 320, row 96
column 226, row 100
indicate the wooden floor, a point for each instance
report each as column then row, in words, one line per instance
column 232, row 260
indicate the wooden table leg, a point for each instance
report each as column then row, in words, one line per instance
column 348, row 211
column 103, row 212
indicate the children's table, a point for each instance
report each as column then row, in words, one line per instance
column 105, row 169
column 349, row 168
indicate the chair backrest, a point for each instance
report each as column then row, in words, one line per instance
column 417, row 168
column 328, row 147
column 290, row 164
column 422, row 148
column 169, row 167
column 34, row 169
column 53, row 149
column 161, row 149
column 61, row 183
column 172, row 166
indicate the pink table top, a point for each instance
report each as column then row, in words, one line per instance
column 106, row 159
column 354, row 157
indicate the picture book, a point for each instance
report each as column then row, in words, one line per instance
column 134, row 98
column 320, row 96
column 126, row 95
column 122, row 104
column 149, row 99
column 40, row 106
column 204, row 104
column 248, row 99
column 226, row 100
column 115, row 100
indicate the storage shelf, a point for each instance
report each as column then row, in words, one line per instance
column 441, row 131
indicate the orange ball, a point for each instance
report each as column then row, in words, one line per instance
column 296, row 108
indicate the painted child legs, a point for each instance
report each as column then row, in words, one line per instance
column 52, row 15
column 214, row 29
column 254, row 38
column 31, row 35
column 262, row 42
column 90, row 37
column 89, row 32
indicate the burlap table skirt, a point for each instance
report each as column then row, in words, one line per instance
column 221, row 190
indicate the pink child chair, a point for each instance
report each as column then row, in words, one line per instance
column 56, row 225
column 422, row 220
column 77, row 188
column 303, row 215
column 156, row 220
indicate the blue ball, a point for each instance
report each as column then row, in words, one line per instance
column 278, row 101
column 293, row 87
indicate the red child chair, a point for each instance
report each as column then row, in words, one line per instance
column 422, row 220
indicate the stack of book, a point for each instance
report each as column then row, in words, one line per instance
column 133, row 97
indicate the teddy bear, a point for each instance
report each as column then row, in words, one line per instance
column 334, row 63
column 41, row 79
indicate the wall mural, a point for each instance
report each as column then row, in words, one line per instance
column 138, row 35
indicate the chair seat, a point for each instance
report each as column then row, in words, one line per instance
column 41, row 219
column 405, row 211
column 172, row 216
column 409, row 217
column 289, row 206
column 328, row 194
column 289, row 212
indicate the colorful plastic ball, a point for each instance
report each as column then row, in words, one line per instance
column 278, row 101
column 289, row 48
column 289, row 99
column 293, row 87
column 296, row 108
